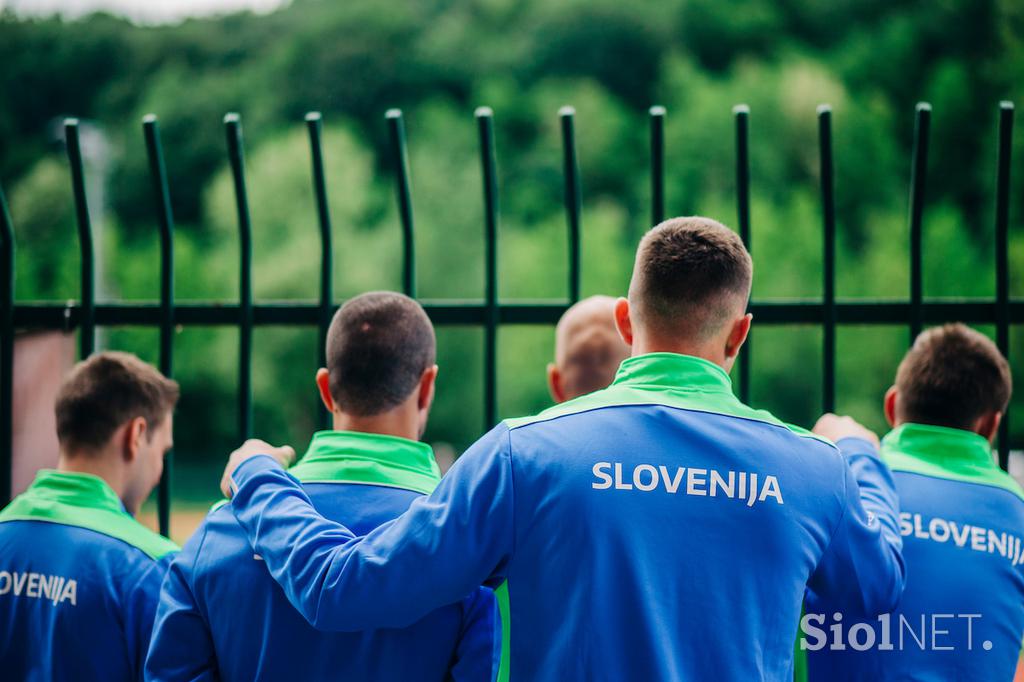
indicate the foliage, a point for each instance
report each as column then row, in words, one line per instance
column 437, row 60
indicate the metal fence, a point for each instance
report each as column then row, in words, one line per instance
column 490, row 313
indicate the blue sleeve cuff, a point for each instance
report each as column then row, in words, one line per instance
column 853, row 445
column 251, row 467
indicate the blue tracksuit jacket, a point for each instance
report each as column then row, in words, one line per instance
column 654, row 530
column 222, row 617
column 962, row 612
column 79, row 583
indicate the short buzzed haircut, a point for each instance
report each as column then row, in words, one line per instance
column 105, row 391
column 951, row 376
column 378, row 346
column 588, row 348
column 691, row 275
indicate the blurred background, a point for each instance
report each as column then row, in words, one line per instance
column 111, row 62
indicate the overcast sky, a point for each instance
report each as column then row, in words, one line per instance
column 142, row 11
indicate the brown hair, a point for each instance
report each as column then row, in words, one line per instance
column 106, row 390
column 691, row 274
column 378, row 346
column 951, row 376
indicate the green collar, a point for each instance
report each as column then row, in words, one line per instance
column 368, row 459
column 671, row 370
column 85, row 501
column 78, row 489
column 942, row 452
column 669, row 379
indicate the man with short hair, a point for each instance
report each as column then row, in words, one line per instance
column 222, row 616
column 588, row 349
column 79, row 577
column 962, row 521
column 658, row 529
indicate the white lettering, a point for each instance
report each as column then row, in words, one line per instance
column 719, row 483
column 771, row 489
column 696, row 479
column 619, row 485
column 70, row 592
column 753, row 487
column 33, row 585
column 812, row 631
column 933, row 529
column 672, row 485
column 39, row 586
column 652, row 475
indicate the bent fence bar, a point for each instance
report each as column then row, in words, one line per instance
column 490, row 313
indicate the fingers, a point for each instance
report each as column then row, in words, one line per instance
column 835, row 428
column 253, row 447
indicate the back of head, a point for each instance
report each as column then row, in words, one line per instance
column 951, row 376
column 691, row 276
column 588, row 348
column 105, row 391
column 378, row 346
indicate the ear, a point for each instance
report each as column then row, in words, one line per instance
column 889, row 405
column 987, row 425
column 428, row 381
column 737, row 335
column 623, row 321
column 555, row 383
column 323, row 384
column 134, row 433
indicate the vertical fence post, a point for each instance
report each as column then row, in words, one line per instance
column 485, row 127
column 828, row 211
column 403, row 188
column 6, row 350
column 233, row 129
column 741, row 115
column 1002, row 256
column 657, row 115
column 87, row 332
column 573, row 199
column 918, row 178
column 158, row 173
column 314, row 124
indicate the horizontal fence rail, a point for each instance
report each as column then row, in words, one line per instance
column 84, row 315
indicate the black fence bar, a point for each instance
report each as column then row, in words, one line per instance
column 87, row 338
column 485, row 125
column 741, row 116
column 657, row 114
column 6, row 349
column 918, row 178
column 828, row 213
column 165, row 216
column 573, row 198
column 67, row 316
column 236, row 155
column 314, row 126
column 403, row 187
column 1002, row 255
column 489, row 313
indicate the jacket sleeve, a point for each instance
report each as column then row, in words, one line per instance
column 139, row 607
column 181, row 647
column 440, row 550
column 862, row 571
column 478, row 652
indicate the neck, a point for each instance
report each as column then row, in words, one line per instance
column 397, row 422
column 707, row 352
column 101, row 465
